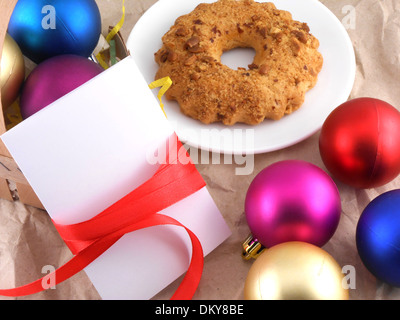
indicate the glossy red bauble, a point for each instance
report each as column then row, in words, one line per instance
column 360, row 143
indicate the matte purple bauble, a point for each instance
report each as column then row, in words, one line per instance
column 54, row 78
column 292, row 200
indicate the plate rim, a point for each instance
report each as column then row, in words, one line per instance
column 271, row 147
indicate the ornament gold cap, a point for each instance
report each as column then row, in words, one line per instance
column 252, row 248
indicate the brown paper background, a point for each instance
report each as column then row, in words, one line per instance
column 29, row 241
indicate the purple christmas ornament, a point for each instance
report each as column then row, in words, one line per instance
column 54, row 78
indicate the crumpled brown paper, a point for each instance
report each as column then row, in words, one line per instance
column 29, row 241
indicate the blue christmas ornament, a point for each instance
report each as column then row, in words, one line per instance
column 44, row 28
column 378, row 237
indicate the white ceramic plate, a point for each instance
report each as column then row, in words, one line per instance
column 334, row 86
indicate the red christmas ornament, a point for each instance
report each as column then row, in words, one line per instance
column 360, row 142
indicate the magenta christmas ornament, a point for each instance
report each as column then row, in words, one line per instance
column 291, row 200
column 54, row 78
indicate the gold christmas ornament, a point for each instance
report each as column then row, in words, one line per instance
column 12, row 71
column 295, row 271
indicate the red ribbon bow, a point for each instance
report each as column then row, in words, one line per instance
column 87, row 240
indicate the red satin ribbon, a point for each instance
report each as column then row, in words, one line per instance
column 87, row 240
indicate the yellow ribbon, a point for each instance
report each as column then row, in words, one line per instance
column 115, row 30
column 111, row 35
column 164, row 83
column 100, row 60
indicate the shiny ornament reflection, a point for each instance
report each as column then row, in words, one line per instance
column 360, row 143
column 44, row 29
column 378, row 237
column 295, row 271
column 292, row 200
column 12, row 71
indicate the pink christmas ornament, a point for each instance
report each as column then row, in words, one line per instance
column 292, row 201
